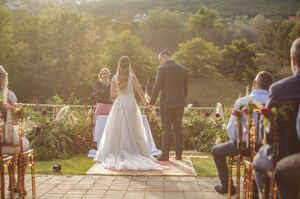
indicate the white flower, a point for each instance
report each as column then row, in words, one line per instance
column 89, row 113
column 147, row 97
column 224, row 126
column 219, row 111
column 189, row 106
column 62, row 113
column 218, row 141
column 29, row 125
column 72, row 119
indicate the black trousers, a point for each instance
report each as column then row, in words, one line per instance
column 287, row 176
column 171, row 121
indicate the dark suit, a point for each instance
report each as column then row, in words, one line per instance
column 287, row 176
column 286, row 89
column 172, row 83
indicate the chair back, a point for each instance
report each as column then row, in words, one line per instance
column 253, row 137
column 11, row 131
column 283, row 134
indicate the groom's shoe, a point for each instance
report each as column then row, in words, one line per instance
column 162, row 158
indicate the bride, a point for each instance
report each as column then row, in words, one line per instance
column 124, row 144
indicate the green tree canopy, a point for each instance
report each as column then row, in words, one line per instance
column 64, row 55
column 162, row 29
column 198, row 55
column 142, row 59
column 6, row 35
column 239, row 60
column 207, row 24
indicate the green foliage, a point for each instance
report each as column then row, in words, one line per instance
column 6, row 34
column 128, row 44
column 63, row 44
column 198, row 55
column 239, row 60
column 239, row 28
column 162, row 29
column 60, row 50
column 202, row 131
column 51, row 138
column 227, row 8
column 207, row 24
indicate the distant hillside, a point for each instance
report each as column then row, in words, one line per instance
column 227, row 8
column 206, row 91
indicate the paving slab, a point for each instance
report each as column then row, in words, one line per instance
column 131, row 187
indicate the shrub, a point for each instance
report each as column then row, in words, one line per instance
column 201, row 130
column 51, row 138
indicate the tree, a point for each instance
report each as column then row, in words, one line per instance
column 207, row 24
column 274, row 40
column 198, row 55
column 162, row 29
column 13, row 54
column 238, row 29
column 64, row 55
column 239, row 60
column 142, row 59
column 6, row 35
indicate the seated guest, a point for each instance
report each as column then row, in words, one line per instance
column 259, row 94
column 287, row 171
column 7, row 95
column 101, row 91
column 287, row 176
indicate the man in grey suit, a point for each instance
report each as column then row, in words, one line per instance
column 172, row 83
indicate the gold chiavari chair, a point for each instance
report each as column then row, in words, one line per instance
column 252, row 132
column 8, row 161
column 15, row 148
column 283, row 137
column 23, row 157
column 9, row 148
column 238, row 158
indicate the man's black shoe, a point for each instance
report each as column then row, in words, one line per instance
column 223, row 190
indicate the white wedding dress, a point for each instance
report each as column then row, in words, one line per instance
column 124, row 144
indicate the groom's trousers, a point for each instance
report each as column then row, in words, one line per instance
column 171, row 121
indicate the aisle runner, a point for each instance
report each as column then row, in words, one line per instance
column 182, row 167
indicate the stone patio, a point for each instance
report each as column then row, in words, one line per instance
column 135, row 187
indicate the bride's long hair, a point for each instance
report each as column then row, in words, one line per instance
column 123, row 71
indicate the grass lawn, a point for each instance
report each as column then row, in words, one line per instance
column 79, row 165
column 204, row 166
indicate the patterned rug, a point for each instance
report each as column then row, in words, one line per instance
column 182, row 167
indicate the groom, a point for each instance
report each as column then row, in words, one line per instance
column 172, row 83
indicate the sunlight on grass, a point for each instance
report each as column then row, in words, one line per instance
column 80, row 165
column 204, row 166
column 74, row 166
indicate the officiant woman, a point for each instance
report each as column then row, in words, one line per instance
column 101, row 91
